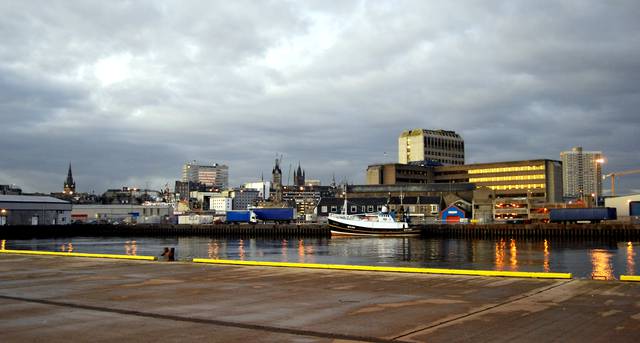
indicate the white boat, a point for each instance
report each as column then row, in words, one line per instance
column 379, row 224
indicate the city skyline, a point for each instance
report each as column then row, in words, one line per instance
column 129, row 92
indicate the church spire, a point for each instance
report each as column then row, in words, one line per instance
column 69, row 185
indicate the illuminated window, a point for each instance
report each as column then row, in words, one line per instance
column 506, row 169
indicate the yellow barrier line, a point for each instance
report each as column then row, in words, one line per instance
column 629, row 278
column 77, row 254
column 391, row 269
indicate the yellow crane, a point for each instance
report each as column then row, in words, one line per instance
column 615, row 174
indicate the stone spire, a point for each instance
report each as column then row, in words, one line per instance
column 69, row 185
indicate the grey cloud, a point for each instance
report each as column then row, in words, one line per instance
column 328, row 83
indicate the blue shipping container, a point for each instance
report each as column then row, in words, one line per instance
column 594, row 214
column 275, row 214
column 238, row 216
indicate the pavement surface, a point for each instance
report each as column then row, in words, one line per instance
column 61, row 299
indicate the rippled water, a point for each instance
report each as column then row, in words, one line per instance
column 585, row 259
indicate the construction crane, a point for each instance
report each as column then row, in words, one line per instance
column 615, row 174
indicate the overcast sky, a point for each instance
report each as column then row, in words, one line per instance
column 128, row 91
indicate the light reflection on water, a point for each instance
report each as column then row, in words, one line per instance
column 585, row 259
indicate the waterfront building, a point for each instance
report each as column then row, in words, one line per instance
column 214, row 175
column 440, row 146
column 398, row 173
column 34, row 210
column 541, row 179
column 221, row 204
column 627, row 207
column 69, row 184
column 182, row 190
column 244, row 198
column 420, row 209
column 582, row 173
column 529, row 178
column 122, row 213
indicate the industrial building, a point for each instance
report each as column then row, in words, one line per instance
column 214, row 175
column 582, row 173
column 627, row 207
column 120, row 214
column 425, row 209
column 441, row 146
column 33, row 210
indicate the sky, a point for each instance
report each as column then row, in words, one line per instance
column 128, row 91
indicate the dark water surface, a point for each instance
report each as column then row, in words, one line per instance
column 585, row 259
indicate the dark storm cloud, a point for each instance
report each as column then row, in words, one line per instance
column 129, row 91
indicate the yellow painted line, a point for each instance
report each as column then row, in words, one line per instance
column 77, row 254
column 391, row 269
column 629, row 278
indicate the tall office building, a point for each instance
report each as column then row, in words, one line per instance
column 440, row 146
column 215, row 175
column 582, row 173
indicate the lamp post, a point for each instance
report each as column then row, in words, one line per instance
column 3, row 217
column 598, row 178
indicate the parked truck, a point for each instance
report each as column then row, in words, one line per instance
column 242, row 216
column 275, row 214
column 575, row 215
column 267, row 214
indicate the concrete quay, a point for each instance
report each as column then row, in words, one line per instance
column 62, row 299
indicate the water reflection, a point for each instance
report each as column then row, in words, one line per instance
column 213, row 250
column 513, row 250
column 3, row 244
column 131, row 248
column 500, row 252
column 66, row 247
column 631, row 264
column 583, row 258
column 601, row 260
column 546, row 254
column 241, row 250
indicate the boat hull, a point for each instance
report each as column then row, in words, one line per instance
column 344, row 229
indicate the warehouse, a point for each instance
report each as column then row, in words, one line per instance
column 34, row 210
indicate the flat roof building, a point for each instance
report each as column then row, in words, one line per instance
column 215, row 175
column 582, row 173
column 529, row 178
column 34, row 210
column 441, row 146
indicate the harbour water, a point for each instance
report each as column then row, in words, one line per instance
column 585, row 259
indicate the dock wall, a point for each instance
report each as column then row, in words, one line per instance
column 616, row 231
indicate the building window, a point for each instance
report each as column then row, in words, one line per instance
column 323, row 209
column 434, row 209
column 354, row 209
column 333, row 209
column 370, row 208
column 379, row 208
column 364, row 209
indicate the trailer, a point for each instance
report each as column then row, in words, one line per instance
column 242, row 216
column 275, row 214
column 582, row 215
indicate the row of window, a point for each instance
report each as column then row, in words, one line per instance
column 505, row 169
column 507, row 178
column 433, row 208
column 522, row 186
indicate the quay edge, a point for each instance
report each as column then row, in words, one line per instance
column 615, row 231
